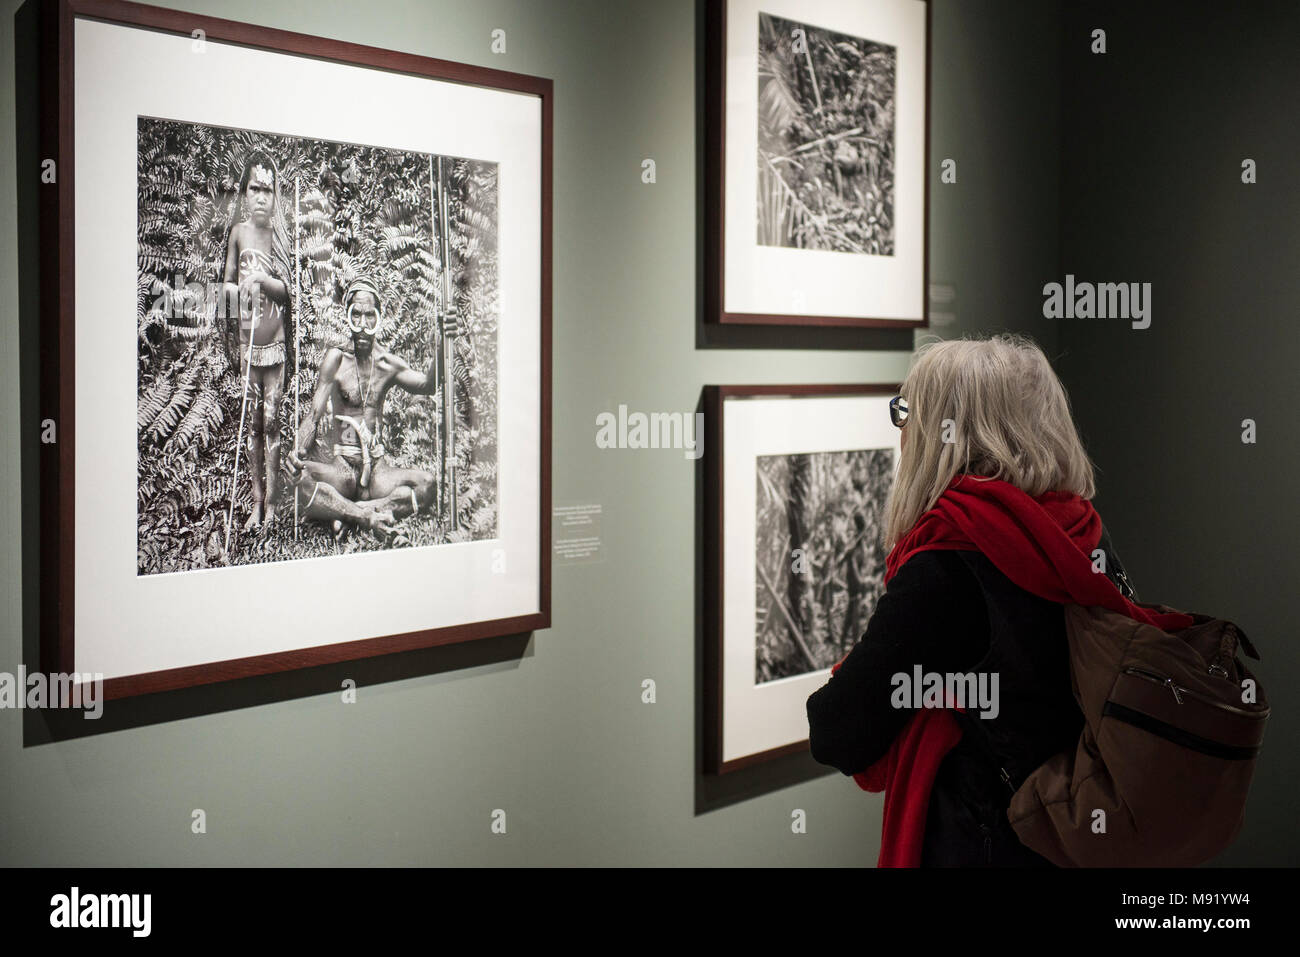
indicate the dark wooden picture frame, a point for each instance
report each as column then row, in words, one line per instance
column 58, row 319
column 715, row 559
column 715, row 195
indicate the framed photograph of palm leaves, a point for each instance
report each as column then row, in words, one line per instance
column 817, row 146
column 796, row 480
column 327, row 434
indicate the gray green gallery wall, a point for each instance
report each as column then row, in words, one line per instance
column 1154, row 135
column 550, row 729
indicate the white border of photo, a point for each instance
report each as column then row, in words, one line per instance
column 801, row 282
column 760, row 717
column 129, row 624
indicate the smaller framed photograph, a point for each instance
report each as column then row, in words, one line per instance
column 817, row 149
column 796, row 481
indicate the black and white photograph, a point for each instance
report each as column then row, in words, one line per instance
column 820, row 557
column 817, row 164
column 800, row 479
column 826, row 111
column 317, row 347
column 338, row 387
column 533, row 452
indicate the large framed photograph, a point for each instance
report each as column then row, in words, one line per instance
column 796, row 481
column 817, row 148
column 298, row 354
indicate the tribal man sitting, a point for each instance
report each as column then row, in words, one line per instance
column 358, row 485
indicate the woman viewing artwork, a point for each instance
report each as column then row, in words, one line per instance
column 993, row 487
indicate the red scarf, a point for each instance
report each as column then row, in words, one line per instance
column 1042, row 544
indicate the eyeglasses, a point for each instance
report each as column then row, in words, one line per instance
column 898, row 411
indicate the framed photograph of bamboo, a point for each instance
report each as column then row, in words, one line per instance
column 816, row 162
column 327, row 434
column 796, row 480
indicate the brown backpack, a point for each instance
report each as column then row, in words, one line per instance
column 1173, row 724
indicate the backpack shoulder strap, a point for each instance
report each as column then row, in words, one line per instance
column 1114, row 567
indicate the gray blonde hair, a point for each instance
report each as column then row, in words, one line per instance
column 989, row 407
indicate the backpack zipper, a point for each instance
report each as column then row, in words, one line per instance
column 1179, row 691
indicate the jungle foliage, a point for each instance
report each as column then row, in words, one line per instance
column 819, row 557
column 360, row 210
column 826, row 105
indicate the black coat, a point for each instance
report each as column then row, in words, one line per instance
column 954, row 612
